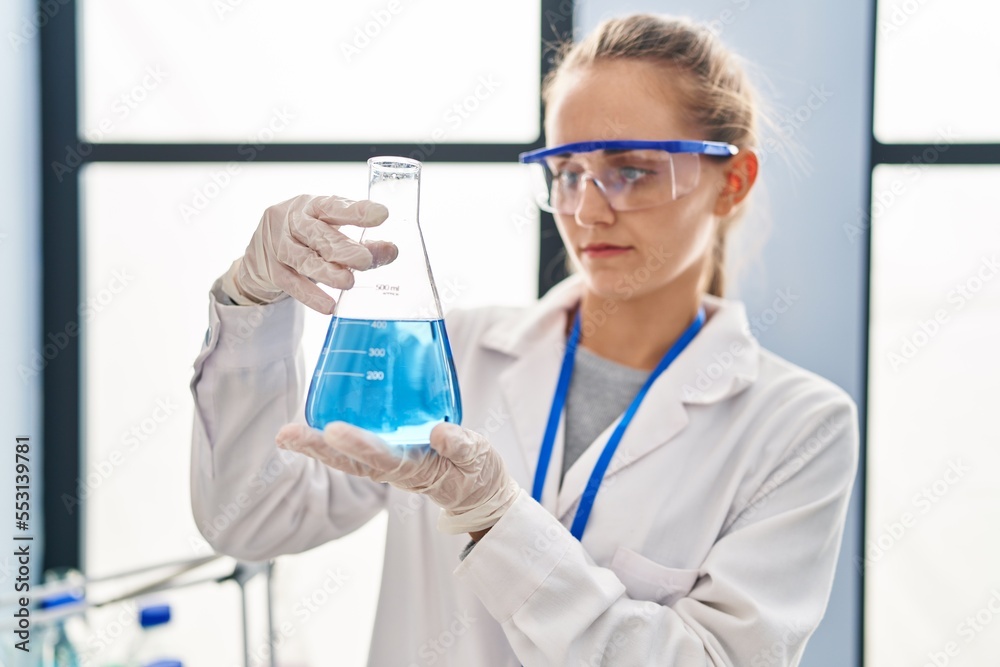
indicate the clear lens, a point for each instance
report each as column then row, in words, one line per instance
column 686, row 173
column 629, row 180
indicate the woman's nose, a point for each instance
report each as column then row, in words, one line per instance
column 593, row 208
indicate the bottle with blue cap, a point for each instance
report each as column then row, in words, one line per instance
column 57, row 647
column 152, row 647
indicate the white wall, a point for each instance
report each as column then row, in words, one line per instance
column 802, row 50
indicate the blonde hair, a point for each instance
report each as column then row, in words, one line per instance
column 718, row 94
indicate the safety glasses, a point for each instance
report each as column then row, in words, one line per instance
column 633, row 175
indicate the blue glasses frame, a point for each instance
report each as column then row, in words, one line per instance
column 717, row 148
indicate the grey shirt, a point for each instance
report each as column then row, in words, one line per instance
column 599, row 392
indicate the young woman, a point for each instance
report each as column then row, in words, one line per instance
column 654, row 488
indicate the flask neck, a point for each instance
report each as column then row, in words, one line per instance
column 395, row 183
column 402, row 290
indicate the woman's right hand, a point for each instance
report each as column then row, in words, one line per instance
column 298, row 243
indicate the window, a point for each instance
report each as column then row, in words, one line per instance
column 929, row 560
column 188, row 120
column 933, row 63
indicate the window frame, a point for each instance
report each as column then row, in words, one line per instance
column 969, row 154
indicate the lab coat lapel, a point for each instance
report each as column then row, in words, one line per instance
column 527, row 387
column 719, row 362
column 660, row 417
column 536, row 339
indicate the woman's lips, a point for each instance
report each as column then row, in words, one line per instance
column 600, row 250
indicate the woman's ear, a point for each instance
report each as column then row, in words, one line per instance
column 739, row 176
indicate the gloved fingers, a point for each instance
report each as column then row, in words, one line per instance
column 309, row 441
column 302, row 289
column 342, row 211
column 310, row 264
column 330, row 243
column 457, row 444
column 383, row 252
column 396, row 463
column 318, row 269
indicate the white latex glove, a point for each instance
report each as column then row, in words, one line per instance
column 298, row 243
column 460, row 471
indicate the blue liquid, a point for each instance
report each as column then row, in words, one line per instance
column 394, row 378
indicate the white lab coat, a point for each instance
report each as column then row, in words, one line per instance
column 713, row 539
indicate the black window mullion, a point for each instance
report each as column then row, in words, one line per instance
column 557, row 27
column 428, row 152
column 60, row 293
column 940, row 152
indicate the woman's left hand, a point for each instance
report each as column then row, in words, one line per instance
column 460, row 471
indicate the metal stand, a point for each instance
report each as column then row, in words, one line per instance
column 242, row 575
column 243, row 572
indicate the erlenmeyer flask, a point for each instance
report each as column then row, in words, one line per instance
column 386, row 365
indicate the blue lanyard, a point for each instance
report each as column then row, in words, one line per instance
column 559, row 401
